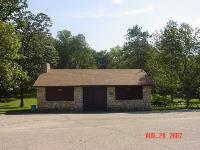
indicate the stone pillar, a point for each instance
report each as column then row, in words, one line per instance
column 78, row 98
column 110, row 95
column 147, row 97
column 41, row 96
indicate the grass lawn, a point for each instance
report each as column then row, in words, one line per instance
column 180, row 106
column 13, row 105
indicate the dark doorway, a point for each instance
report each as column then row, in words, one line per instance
column 95, row 98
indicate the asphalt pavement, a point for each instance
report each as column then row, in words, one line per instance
column 101, row 131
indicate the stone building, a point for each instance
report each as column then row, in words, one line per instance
column 93, row 90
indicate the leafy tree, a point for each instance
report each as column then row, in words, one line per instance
column 136, row 48
column 63, row 48
column 178, row 46
column 37, row 47
column 166, row 81
column 9, row 9
column 11, row 73
column 109, row 59
column 116, row 58
column 102, row 59
column 74, row 51
column 82, row 55
column 36, row 42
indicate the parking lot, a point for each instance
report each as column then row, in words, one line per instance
column 109, row 131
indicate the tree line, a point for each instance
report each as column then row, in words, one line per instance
column 170, row 56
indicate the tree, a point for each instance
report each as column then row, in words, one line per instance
column 166, row 81
column 136, row 48
column 11, row 73
column 63, row 48
column 36, row 42
column 9, row 9
column 178, row 46
column 117, row 60
column 37, row 47
column 74, row 51
column 82, row 55
column 102, row 59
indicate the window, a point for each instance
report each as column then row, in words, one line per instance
column 128, row 92
column 60, row 93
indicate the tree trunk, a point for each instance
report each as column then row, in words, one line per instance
column 187, row 98
column 165, row 97
column 186, row 95
column 172, row 97
column 22, row 96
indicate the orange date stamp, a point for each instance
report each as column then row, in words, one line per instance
column 163, row 135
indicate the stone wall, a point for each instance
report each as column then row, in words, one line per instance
column 128, row 105
column 76, row 105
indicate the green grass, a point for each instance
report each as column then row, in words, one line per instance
column 169, row 107
column 13, row 105
column 179, row 106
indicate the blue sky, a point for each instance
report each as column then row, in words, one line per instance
column 105, row 22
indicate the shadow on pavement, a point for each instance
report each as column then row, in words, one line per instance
column 28, row 112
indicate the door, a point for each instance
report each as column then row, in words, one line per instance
column 95, row 98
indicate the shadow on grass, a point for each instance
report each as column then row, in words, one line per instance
column 7, row 108
column 18, row 112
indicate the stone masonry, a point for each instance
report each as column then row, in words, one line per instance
column 112, row 103
column 76, row 105
column 128, row 105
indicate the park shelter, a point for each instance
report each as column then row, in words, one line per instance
column 93, row 89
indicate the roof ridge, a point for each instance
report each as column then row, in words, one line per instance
column 81, row 77
column 95, row 69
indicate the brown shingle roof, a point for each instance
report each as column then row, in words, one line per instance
column 84, row 77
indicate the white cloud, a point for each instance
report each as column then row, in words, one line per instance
column 102, row 12
column 117, row 2
column 135, row 12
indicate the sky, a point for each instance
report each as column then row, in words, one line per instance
column 104, row 23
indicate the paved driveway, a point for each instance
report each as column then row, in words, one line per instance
column 111, row 131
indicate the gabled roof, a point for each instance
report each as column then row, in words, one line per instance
column 90, row 77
